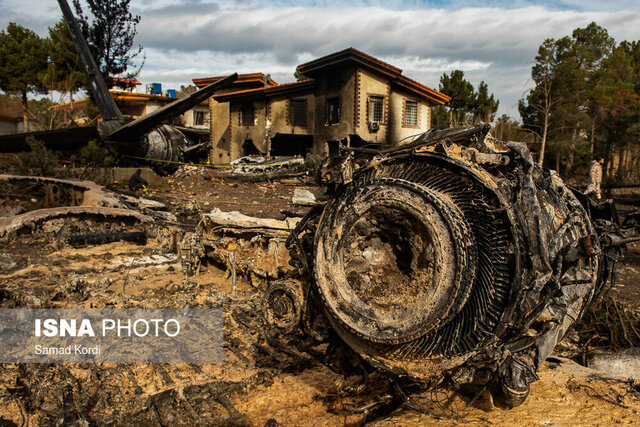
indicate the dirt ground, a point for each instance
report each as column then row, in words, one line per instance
column 260, row 382
column 201, row 193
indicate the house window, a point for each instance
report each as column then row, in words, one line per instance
column 333, row 111
column 298, row 112
column 198, row 118
column 247, row 115
column 376, row 109
column 411, row 113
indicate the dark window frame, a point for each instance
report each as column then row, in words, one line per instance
column 298, row 112
column 247, row 111
column 198, row 118
column 333, row 119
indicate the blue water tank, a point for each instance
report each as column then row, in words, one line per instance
column 154, row 89
column 170, row 93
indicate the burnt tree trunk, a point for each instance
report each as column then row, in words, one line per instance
column 25, row 112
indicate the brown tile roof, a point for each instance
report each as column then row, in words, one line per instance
column 418, row 87
column 267, row 91
column 242, row 79
column 124, row 96
column 346, row 55
column 320, row 65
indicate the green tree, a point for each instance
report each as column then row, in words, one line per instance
column 617, row 101
column 590, row 48
column 507, row 129
column 110, row 33
column 63, row 75
column 563, row 104
column 65, row 69
column 299, row 76
column 462, row 95
column 440, row 117
column 485, row 106
column 536, row 113
column 466, row 105
column 23, row 60
column 38, row 160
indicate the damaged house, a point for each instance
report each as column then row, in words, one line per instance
column 10, row 124
column 220, row 113
column 193, row 123
column 347, row 97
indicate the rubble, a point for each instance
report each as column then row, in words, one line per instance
column 47, row 220
column 236, row 220
column 66, row 203
column 248, row 160
column 189, row 170
column 248, row 246
column 624, row 364
column 452, row 258
column 258, row 169
column 101, row 238
column 303, row 197
column 251, row 164
column 433, row 284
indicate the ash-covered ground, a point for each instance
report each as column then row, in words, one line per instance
column 262, row 381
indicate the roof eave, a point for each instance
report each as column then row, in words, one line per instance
column 262, row 93
column 254, row 78
column 425, row 92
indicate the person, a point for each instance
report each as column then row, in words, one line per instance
column 595, row 178
column 137, row 182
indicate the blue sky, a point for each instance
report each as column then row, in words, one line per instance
column 491, row 41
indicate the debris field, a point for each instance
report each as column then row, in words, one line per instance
column 316, row 329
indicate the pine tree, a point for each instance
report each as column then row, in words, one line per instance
column 440, row 118
column 64, row 73
column 485, row 106
column 23, row 61
column 585, row 102
column 110, row 33
column 466, row 105
column 462, row 96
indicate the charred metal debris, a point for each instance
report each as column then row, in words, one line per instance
column 81, row 212
column 452, row 258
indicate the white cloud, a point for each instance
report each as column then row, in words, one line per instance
column 490, row 44
column 417, row 64
column 162, row 66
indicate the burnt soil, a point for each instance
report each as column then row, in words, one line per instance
column 260, row 382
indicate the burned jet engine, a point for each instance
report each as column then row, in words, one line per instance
column 453, row 257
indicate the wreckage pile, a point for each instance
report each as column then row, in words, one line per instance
column 453, row 258
column 450, row 260
column 70, row 208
